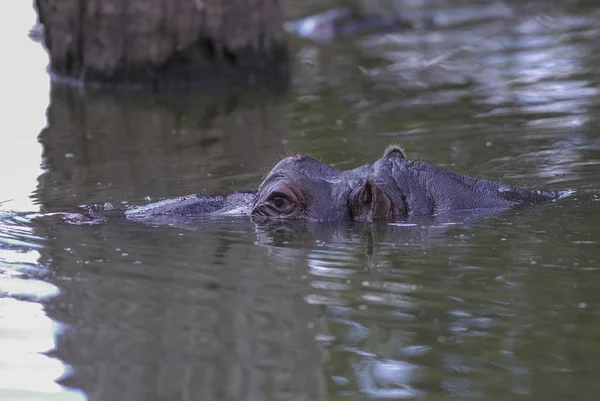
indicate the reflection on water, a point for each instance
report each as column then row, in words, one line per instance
column 24, row 99
column 99, row 146
column 471, row 314
column 26, row 332
column 488, row 306
column 215, row 321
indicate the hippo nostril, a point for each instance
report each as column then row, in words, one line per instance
column 370, row 202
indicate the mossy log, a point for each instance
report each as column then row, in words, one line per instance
column 158, row 43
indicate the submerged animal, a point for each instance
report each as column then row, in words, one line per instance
column 300, row 187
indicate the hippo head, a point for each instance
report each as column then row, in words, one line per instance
column 300, row 187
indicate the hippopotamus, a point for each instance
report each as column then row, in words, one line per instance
column 301, row 187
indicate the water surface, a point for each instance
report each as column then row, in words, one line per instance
column 496, row 307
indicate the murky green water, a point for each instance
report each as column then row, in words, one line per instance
column 489, row 307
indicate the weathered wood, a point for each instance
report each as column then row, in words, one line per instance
column 165, row 42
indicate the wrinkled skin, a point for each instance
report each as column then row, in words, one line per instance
column 300, row 187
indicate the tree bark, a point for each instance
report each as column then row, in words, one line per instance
column 161, row 43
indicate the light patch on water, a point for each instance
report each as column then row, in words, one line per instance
column 25, row 330
column 389, row 379
column 386, row 299
column 18, row 287
column 16, row 235
column 16, row 242
column 566, row 193
column 25, row 96
column 10, row 256
column 25, row 373
column 318, row 27
column 315, row 299
column 415, row 350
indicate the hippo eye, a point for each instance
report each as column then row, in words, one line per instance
column 280, row 202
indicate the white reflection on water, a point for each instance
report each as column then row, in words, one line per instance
column 24, row 98
column 389, row 379
column 25, row 334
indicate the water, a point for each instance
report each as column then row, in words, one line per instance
column 499, row 306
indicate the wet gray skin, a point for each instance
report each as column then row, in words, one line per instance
column 300, row 187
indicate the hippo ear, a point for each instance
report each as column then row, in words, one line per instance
column 394, row 151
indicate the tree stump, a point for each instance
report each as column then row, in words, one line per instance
column 165, row 43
